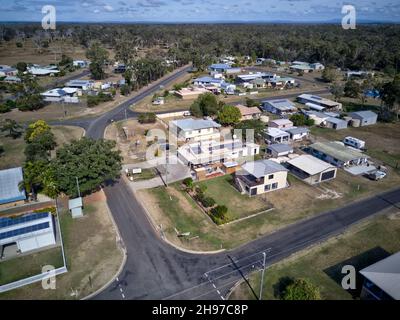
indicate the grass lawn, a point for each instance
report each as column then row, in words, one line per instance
column 239, row 206
column 29, row 265
column 360, row 246
column 92, row 254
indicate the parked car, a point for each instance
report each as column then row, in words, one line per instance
column 376, row 175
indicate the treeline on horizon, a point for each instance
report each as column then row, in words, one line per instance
column 369, row 47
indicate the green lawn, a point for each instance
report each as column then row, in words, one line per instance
column 13, row 155
column 146, row 174
column 239, row 206
column 360, row 246
column 30, row 265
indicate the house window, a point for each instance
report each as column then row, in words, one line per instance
column 274, row 186
column 271, row 176
column 267, row 187
column 253, row 191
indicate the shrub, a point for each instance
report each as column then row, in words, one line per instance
column 188, row 182
column 301, row 289
column 125, row 90
column 4, row 108
column 218, row 214
column 148, row 117
column 207, row 202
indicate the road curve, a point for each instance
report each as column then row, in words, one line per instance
column 156, row 270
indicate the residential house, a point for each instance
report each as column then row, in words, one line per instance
column 281, row 82
column 223, row 68
column 259, row 83
column 279, row 106
column 317, row 66
column 311, row 170
column 190, row 93
column 280, row 124
column 306, row 68
column 320, row 101
column 229, row 88
column 12, row 79
column 210, row 158
column 10, row 194
column 279, row 150
column 298, row 133
column 80, row 84
column 260, row 177
column 7, row 71
column 194, row 129
column 318, row 117
column 80, row 63
column 363, row 118
column 248, row 113
column 43, row 71
column 359, row 74
column 382, row 279
column 207, row 81
column 67, row 95
column 274, row 135
column 337, row 154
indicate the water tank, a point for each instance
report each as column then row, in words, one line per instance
column 355, row 123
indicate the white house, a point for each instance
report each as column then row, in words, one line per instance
column 7, row 71
column 42, row 71
column 80, row 84
column 275, row 135
column 260, row 177
column 298, row 133
column 279, row 106
column 280, row 123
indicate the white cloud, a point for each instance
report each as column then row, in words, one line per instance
column 108, row 8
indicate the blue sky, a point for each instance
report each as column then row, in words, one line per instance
column 198, row 10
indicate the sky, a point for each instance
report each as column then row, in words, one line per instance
column 199, row 10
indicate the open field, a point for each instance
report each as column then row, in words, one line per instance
column 92, row 254
column 361, row 245
column 14, row 148
column 174, row 208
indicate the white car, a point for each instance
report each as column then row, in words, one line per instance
column 376, row 175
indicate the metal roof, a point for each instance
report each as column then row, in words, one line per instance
column 364, row 114
column 275, row 132
column 9, row 181
column 386, row 275
column 220, row 66
column 281, row 104
column 338, row 151
column 280, row 147
column 195, row 124
column 261, row 168
column 310, row 164
column 281, row 122
column 336, row 120
column 297, row 130
column 75, row 203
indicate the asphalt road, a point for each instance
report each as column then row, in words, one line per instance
column 156, row 270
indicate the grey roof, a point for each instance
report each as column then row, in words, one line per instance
column 280, row 147
column 261, row 168
column 297, row 130
column 195, row 124
column 281, row 104
column 364, row 114
column 9, row 180
column 386, row 275
column 336, row 120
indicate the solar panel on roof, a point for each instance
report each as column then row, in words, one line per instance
column 24, row 230
column 6, row 222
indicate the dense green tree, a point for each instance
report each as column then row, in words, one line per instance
column 98, row 56
column 337, row 90
column 390, row 95
column 147, row 117
column 301, row 289
column 229, row 115
column 30, row 102
column 256, row 125
column 21, row 66
column 352, row 89
column 205, row 105
column 330, row 74
column 93, row 162
column 12, row 127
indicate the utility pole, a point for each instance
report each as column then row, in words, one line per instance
column 262, row 276
column 126, row 114
column 77, row 184
column 166, row 167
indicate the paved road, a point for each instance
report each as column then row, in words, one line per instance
column 156, row 270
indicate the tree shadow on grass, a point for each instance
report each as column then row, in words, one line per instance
column 280, row 286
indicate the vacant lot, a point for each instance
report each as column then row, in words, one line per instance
column 131, row 139
column 174, row 208
column 14, row 148
column 360, row 246
column 93, row 256
column 221, row 189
